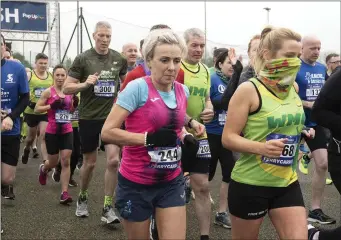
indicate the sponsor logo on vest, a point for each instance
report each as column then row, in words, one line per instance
column 194, row 91
column 286, row 120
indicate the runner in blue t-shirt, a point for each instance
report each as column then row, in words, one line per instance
column 310, row 80
column 14, row 99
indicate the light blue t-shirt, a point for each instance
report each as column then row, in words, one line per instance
column 135, row 95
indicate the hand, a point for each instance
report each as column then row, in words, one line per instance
column 207, row 115
column 57, row 104
column 190, row 144
column 75, row 101
column 309, row 132
column 198, row 128
column 6, row 124
column 32, row 105
column 163, row 137
column 232, row 56
column 273, row 148
column 92, row 79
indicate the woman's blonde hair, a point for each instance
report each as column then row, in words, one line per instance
column 272, row 39
column 159, row 37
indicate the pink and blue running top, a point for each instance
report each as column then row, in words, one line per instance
column 151, row 110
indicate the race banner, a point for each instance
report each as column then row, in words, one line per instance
column 24, row 16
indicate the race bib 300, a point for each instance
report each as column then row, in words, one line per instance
column 104, row 88
column 288, row 153
column 62, row 116
column 165, row 157
column 204, row 149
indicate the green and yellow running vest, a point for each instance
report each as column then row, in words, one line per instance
column 276, row 119
column 198, row 81
column 37, row 87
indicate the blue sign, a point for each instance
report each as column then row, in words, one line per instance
column 24, row 16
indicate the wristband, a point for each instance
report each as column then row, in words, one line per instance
column 145, row 139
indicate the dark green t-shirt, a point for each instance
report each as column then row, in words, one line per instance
column 97, row 101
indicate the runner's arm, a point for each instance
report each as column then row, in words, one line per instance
column 232, row 85
column 73, row 86
column 112, row 132
column 41, row 105
column 326, row 110
column 124, row 70
column 24, row 95
column 239, row 108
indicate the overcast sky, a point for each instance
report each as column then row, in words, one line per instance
column 231, row 23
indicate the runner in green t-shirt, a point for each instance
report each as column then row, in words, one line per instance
column 96, row 74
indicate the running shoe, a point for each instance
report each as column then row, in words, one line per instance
column 109, row 216
column 329, row 181
column 72, row 183
column 311, row 232
column 42, row 175
column 65, row 198
column 35, row 152
column 82, row 207
column 25, row 155
column 7, row 192
column 222, row 219
column 304, row 163
column 56, row 175
column 317, row 216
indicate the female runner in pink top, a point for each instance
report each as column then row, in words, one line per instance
column 59, row 133
column 154, row 110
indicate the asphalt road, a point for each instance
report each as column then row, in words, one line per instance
column 37, row 214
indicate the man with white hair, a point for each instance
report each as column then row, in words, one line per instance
column 199, row 108
column 129, row 51
column 96, row 74
column 310, row 80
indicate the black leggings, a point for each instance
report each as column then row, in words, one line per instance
column 225, row 157
column 76, row 153
column 334, row 234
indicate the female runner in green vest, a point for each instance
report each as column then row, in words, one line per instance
column 269, row 113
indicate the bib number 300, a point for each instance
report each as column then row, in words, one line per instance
column 104, row 88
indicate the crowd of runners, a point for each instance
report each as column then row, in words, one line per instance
column 166, row 120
